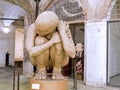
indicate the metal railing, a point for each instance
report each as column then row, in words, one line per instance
column 14, row 78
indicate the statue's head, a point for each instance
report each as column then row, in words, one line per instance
column 46, row 23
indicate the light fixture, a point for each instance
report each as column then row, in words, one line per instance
column 6, row 29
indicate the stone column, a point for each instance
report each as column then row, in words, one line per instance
column 95, row 53
column 27, row 66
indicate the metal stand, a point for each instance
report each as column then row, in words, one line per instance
column 75, row 75
column 14, row 79
column 18, row 79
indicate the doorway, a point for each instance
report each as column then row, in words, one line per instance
column 114, row 53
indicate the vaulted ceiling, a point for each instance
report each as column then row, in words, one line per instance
column 14, row 9
column 18, row 8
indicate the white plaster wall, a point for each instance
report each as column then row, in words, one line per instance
column 7, row 44
column 19, row 39
column 114, row 48
column 95, row 53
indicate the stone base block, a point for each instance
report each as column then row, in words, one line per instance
column 48, row 84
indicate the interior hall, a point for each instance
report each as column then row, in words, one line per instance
column 94, row 26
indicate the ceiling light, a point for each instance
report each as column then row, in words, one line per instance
column 6, row 29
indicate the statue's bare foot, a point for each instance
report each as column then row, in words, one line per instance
column 57, row 75
column 41, row 75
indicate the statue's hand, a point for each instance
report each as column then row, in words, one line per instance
column 56, row 38
column 63, row 26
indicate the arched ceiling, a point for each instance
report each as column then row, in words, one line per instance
column 18, row 8
column 25, row 4
column 14, row 9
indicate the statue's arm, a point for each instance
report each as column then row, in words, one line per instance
column 30, row 43
column 37, row 50
column 67, row 40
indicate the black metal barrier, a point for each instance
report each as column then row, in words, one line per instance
column 75, row 77
column 18, row 79
column 14, row 79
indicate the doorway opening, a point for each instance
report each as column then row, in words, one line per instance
column 114, row 53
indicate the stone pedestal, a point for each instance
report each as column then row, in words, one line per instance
column 48, row 84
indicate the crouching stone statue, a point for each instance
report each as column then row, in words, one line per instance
column 49, row 43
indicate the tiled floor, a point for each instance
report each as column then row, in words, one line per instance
column 6, row 82
column 115, row 80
